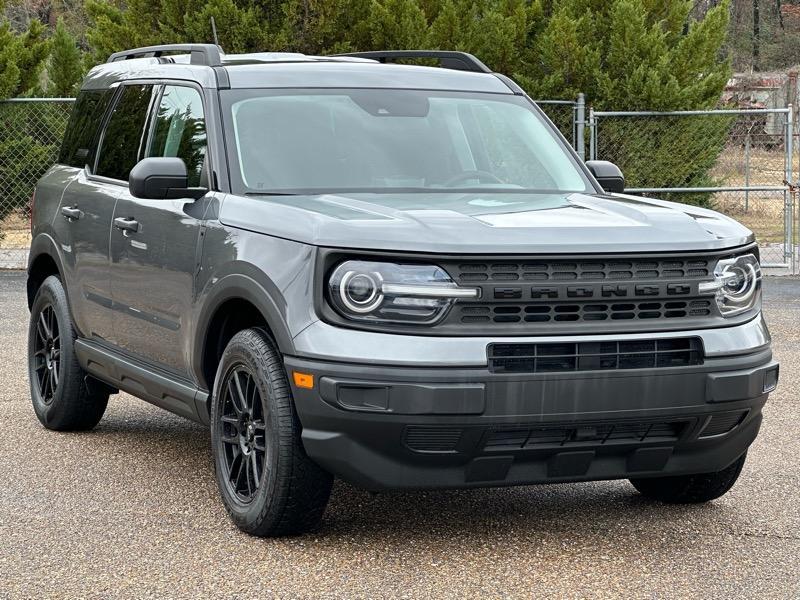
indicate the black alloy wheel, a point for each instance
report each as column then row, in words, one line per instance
column 47, row 354
column 244, row 431
column 267, row 482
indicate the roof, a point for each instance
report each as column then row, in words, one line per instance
column 290, row 70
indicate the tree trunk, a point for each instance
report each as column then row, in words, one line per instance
column 756, row 36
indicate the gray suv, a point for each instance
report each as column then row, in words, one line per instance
column 398, row 275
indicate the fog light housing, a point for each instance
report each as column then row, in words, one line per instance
column 771, row 379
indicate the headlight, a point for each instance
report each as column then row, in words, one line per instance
column 737, row 284
column 394, row 293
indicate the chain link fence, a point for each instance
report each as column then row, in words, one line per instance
column 30, row 136
column 564, row 115
column 738, row 162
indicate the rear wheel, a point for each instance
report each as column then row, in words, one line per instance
column 61, row 398
column 267, row 482
column 691, row 489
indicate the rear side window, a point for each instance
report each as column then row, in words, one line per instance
column 78, row 148
column 123, row 137
column 179, row 129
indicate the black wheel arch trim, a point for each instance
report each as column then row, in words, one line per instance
column 44, row 245
column 238, row 286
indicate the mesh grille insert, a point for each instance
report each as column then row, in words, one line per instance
column 594, row 356
column 723, row 423
column 594, row 433
column 432, row 439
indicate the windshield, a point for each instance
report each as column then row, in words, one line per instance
column 378, row 140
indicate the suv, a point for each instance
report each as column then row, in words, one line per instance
column 398, row 275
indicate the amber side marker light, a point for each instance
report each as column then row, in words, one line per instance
column 303, row 380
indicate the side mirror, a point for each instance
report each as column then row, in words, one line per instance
column 162, row 178
column 608, row 175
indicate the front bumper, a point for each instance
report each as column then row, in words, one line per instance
column 385, row 427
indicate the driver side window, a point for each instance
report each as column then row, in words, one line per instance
column 179, row 130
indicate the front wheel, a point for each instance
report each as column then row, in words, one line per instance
column 691, row 489
column 267, row 482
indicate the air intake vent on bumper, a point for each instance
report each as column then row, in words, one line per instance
column 594, row 356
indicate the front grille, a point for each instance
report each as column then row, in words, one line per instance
column 516, row 438
column 568, row 295
column 585, row 270
column 557, row 357
column 618, row 311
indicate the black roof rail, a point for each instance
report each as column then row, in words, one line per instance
column 448, row 59
column 201, row 54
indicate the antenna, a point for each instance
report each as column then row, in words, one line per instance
column 214, row 30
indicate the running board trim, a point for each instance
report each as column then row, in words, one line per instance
column 110, row 367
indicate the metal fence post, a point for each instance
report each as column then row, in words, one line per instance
column 747, row 171
column 789, row 193
column 592, row 135
column 580, row 126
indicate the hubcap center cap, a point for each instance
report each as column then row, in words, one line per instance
column 247, row 434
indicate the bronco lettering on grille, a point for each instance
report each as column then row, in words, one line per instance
column 610, row 291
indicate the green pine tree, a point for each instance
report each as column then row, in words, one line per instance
column 21, row 57
column 629, row 54
column 65, row 65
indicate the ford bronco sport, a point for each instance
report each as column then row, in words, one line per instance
column 398, row 275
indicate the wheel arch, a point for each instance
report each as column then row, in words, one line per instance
column 238, row 302
column 43, row 260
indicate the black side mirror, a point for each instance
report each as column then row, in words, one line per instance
column 608, row 175
column 162, row 178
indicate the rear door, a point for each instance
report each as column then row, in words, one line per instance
column 83, row 222
column 154, row 243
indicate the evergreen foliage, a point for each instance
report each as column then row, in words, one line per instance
column 625, row 54
column 65, row 66
column 21, row 57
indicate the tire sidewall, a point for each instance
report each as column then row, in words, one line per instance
column 266, row 500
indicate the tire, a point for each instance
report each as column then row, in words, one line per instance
column 255, row 423
column 61, row 399
column 691, row 489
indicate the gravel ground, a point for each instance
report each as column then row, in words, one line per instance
column 130, row 510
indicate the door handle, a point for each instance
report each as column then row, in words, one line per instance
column 126, row 225
column 71, row 213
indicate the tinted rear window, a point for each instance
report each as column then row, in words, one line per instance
column 77, row 150
column 124, row 135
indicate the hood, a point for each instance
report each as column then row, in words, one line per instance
column 494, row 223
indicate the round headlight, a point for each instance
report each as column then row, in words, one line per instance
column 386, row 292
column 736, row 284
column 360, row 292
column 740, row 280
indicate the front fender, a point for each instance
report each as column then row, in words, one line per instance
column 272, row 274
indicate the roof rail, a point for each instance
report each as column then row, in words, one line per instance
column 448, row 59
column 201, row 54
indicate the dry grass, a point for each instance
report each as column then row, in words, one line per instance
column 15, row 231
column 762, row 212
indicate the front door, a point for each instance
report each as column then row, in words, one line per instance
column 154, row 243
column 84, row 223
